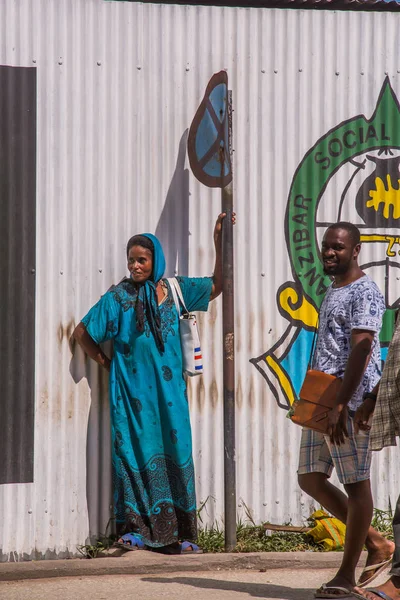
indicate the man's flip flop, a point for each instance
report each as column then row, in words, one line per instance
column 377, row 570
column 333, row 591
column 131, row 542
column 379, row 594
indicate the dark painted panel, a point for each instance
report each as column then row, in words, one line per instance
column 17, row 272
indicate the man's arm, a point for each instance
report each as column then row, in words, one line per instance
column 361, row 345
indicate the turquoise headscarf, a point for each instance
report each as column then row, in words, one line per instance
column 147, row 302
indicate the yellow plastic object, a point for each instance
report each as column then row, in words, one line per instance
column 328, row 531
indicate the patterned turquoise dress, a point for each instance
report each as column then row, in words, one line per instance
column 153, row 472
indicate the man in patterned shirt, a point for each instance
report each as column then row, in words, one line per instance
column 347, row 347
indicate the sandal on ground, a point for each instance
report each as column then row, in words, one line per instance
column 182, row 548
column 130, row 542
column 335, row 591
column 375, row 570
column 379, row 593
column 190, row 548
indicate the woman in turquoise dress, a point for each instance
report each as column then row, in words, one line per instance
column 153, row 471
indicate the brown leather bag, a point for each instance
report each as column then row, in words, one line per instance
column 317, row 398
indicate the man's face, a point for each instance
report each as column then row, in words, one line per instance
column 338, row 252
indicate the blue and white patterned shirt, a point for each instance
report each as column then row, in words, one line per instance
column 359, row 305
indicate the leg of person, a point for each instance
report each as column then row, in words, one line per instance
column 335, row 501
column 395, row 570
column 390, row 590
column 315, row 467
column 356, row 511
column 359, row 515
column 380, row 549
column 352, row 461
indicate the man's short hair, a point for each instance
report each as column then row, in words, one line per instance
column 351, row 229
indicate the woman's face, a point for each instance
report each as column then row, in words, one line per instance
column 140, row 264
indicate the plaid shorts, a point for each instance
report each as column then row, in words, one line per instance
column 352, row 460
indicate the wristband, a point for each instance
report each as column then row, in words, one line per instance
column 370, row 396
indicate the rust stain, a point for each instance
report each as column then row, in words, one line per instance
column 71, row 404
column 264, row 399
column 189, row 391
column 200, row 396
column 50, row 404
column 60, row 334
column 250, row 395
column 229, row 346
column 65, row 331
column 56, row 407
column 44, row 399
column 70, row 327
column 214, row 393
column 212, row 313
column 200, row 324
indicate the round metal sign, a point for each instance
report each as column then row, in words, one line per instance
column 208, row 141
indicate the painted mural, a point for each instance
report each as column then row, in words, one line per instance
column 350, row 174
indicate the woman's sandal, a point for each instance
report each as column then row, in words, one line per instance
column 190, row 548
column 181, row 548
column 130, row 542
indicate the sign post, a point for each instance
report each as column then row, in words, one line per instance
column 209, row 151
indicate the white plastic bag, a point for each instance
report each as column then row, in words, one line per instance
column 189, row 333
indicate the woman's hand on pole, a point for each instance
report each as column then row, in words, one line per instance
column 218, row 229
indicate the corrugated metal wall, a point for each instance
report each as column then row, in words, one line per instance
column 117, row 86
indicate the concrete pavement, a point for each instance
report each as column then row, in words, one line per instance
column 274, row 584
column 143, row 562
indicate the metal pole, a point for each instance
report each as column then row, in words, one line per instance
column 228, row 326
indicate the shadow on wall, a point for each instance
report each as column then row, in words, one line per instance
column 98, row 441
column 173, row 233
column 173, row 226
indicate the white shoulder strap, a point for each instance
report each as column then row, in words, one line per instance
column 177, row 293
